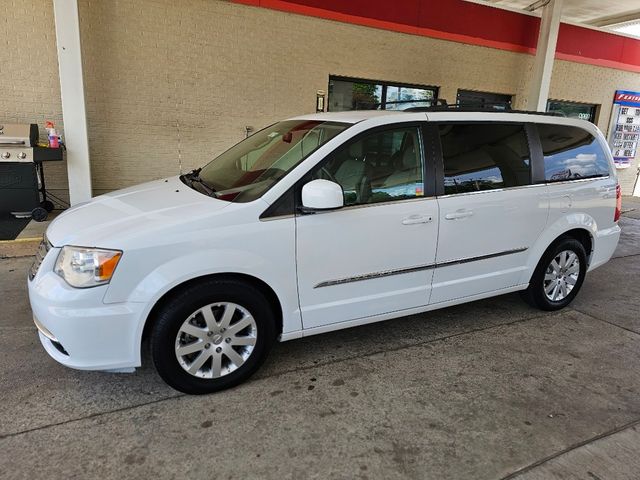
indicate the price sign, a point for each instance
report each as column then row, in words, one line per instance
column 624, row 131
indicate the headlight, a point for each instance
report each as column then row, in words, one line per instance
column 86, row 267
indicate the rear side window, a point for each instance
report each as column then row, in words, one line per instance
column 571, row 153
column 484, row 156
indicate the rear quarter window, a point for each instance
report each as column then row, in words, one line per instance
column 571, row 153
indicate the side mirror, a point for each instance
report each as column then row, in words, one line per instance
column 322, row 195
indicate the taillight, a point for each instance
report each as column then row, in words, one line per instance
column 616, row 215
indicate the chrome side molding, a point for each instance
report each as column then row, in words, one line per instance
column 369, row 276
column 401, row 271
column 481, row 257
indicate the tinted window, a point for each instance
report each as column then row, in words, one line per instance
column 484, row 156
column 571, row 153
column 379, row 167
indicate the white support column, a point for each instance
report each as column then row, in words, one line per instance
column 545, row 54
column 72, row 93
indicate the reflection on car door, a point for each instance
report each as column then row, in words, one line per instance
column 376, row 254
column 490, row 214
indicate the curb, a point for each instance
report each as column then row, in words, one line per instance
column 20, row 240
column 20, row 247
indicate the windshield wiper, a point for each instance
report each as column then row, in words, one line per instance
column 194, row 177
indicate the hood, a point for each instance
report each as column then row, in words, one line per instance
column 108, row 220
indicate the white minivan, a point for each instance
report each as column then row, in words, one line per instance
column 323, row 222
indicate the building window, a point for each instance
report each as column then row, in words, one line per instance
column 484, row 100
column 484, row 156
column 583, row 111
column 356, row 94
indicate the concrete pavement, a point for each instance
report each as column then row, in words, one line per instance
column 613, row 456
column 487, row 390
column 631, row 207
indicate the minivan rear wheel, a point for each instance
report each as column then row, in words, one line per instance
column 212, row 335
column 558, row 276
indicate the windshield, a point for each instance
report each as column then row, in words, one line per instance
column 244, row 172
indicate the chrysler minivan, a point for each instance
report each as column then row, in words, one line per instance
column 323, row 222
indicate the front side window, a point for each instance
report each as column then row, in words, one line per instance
column 247, row 170
column 571, row 153
column 379, row 167
column 484, row 156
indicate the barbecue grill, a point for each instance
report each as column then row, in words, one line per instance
column 22, row 186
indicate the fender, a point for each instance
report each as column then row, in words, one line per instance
column 148, row 273
column 188, row 267
column 568, row 222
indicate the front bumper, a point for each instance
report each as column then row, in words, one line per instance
column 78, row 329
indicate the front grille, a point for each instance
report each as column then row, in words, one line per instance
column 43, row 248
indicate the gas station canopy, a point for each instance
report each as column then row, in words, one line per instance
column 612, row 14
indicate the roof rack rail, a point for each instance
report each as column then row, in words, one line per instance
column 499, row 107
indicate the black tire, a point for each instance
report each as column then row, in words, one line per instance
column 173, row 313
column 535, row 294
column 47, row 205
column 39, row 214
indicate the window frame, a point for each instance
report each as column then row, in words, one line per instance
column 534, row 159
column 384, row 84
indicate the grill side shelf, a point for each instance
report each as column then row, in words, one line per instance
column 45, row 154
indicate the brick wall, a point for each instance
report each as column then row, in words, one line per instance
column 29, row 85
column 163, row 77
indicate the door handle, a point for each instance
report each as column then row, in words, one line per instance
column 458, row 214
column 415, row 219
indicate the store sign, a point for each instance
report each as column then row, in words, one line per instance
column 624, row 131
column 624, row 97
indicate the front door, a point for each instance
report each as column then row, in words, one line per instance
column 376, row 254
column 490, row 213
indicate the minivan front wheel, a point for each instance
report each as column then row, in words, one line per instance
column 558, row 276
column 212, row 335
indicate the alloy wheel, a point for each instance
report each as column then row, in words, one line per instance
column 215, row 340
column 561, row 275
